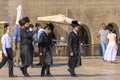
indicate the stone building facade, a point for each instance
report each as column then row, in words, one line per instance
column 92, row 13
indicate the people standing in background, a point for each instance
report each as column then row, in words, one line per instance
column 103, row 37
column 111, row 51
column 35, row 36
column 31, row 29
column 16, row 44
column 45, row 42
column 53, row 37
column 7, row 52
column 26, row 46
column 40, row 31
column 74, row 49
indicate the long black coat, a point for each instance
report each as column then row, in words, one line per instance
column 26, row 47
column 73, row 47
column 45, row 43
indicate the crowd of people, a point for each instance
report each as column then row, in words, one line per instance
column 20, row 47
column 26, row 36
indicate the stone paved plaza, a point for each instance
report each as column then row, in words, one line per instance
column 93, row 68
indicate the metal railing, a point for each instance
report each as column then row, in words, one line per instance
column 86, row 50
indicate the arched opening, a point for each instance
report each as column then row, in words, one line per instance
column 84, row 34
column 85, row 40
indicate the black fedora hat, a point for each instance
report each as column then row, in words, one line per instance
column 23, row 21
column 75, row 23
column 50, row 26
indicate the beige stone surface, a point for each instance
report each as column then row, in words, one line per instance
column 93, row 68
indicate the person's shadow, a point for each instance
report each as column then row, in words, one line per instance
column 59, row 64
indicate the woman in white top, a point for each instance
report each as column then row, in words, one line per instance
column 111, row 51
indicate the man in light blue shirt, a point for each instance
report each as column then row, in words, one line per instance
column 16, row 44
column 7, row 53
column 40, row 31
column 36, row 39
column 103, row 37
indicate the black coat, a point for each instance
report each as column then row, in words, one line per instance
column 45, row 43
column 74, row 47
column 26, row 47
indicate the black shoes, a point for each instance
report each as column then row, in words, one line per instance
column 27, row 75
column 12, row 76
column 22, row 69
column 49, row 75
column 42, row 75
column 24, row 72
column 72, row 73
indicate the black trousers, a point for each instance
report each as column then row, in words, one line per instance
column 9, row 59
column 45, row 68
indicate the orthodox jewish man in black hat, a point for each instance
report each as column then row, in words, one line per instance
column 74, row 49
column 26, row 46
column 45, row 51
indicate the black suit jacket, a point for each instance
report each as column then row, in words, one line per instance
column 73, row 44
column 45, row 42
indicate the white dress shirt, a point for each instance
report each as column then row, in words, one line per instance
column 6, row 41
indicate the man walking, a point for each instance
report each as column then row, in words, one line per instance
column 7, row 52
column 103, row 37
column 45, row 51
column 74, row 49
column 26, row 46
column 40, row 31
column 16, row 45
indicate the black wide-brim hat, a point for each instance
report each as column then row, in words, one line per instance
column 74, row 23
column 50, row 26
column 23, row 21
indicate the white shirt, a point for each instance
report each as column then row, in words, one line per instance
column 6, row 41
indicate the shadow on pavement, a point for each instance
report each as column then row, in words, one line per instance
column 59, row 64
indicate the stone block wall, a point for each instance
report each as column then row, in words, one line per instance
column 91, row 12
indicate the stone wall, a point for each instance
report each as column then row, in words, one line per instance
column 91, row 12
column 3, row 10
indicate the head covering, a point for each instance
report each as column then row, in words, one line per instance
column 50, row 26
column 75, row 23
column 31, row 25
column 37, row 24
column 23, row 21
column 6, row 25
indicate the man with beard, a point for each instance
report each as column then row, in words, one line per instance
column 26, row 46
